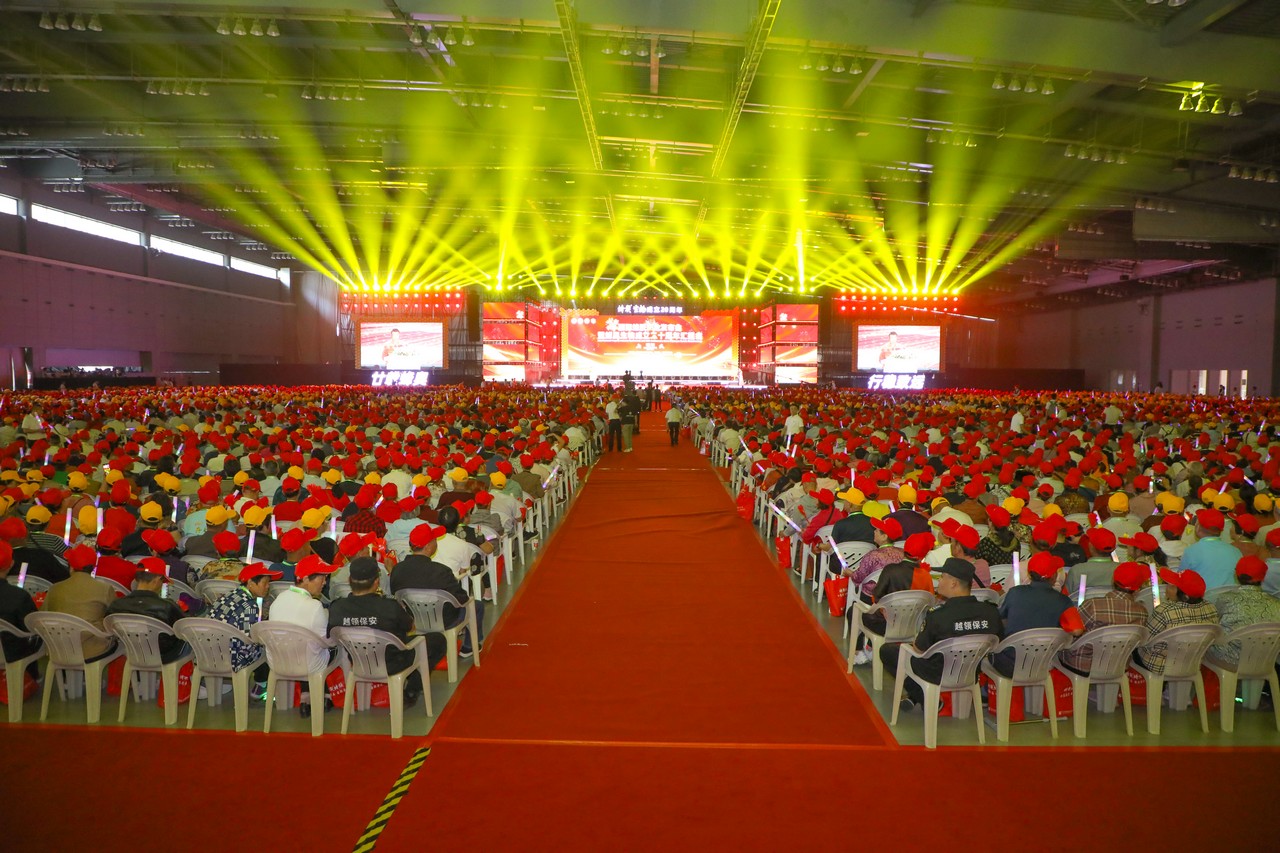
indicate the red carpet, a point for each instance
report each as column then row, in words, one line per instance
column 655, row 615
column 107, row 788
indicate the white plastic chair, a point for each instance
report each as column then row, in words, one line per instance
column 1034, row 650
column 210, row 641
column 63, row 636
column 1000, row 574
column 1095, row 592
column 367, row 663
column 1259, row 648
column 988, row 595
column 289, row 652
column 902, row 611
column 118, row 588
column 853, row 552
column 214, row 588
column 1212, row 594
column 1185, row 647
column 197, row 563
column 1145, row 597
column 427, row 607
column 14, row 670
column 339, row 589
column 960, row 659
column 1113, row 647
column 140, row 638
column 32, row 584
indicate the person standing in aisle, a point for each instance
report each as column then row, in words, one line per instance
column 674, row 416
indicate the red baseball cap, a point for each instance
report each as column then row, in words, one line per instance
column 918, row 545
column 1173, row 526
column 998, row 516
column 1252, row 568
column 1210, row 519
column 1046, row 533
column 226, row 542
column 110, row 539
column 1188, row 582
column 257, row 570
column 891, row 527
column 1273, row 537
column 293, row 540
column 312, row 564
column 1101, row 539
column 424, row 533
column 823, row 496
column 966, row 536
column 1044, row 564
column 1131, row 576
column 353, row 543
column 83, row 557
column 1143, row 541
column 155, row 566
column 160, row 541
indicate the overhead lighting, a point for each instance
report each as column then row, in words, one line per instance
column 855, row 66
column 624, row 48
column 1188, row 103
column 1032, row 86
column 1047, row 88
column 204, row 90
column 825, row 62
column 153, row 89
column 1235, row 109
column 642, row 47
column 306, row 93
column 660, row 52
column 1015, row 83
column 806, row 60
column 1234, row 172
column 998, row 83
column 46, row 21
column 255, row 29
column 272, row 30
column 224, row 28
column 468, row 40
column 62, row 23
column 77, row 23
column 239, row 29
column 450, row 37
column 838, row 66
column 95, row 23
column 1202, row 103
column 1218, row 109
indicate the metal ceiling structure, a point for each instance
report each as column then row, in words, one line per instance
column 1095, row 148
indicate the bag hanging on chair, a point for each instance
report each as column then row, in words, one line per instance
column 29, row 686
column 184, row 685
column 837, row 590
column 746, row 504
column 783, row 546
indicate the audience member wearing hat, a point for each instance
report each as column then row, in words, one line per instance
column 150, row 517
column 1117, row 607
column 960, row 614
column 111, row 565
column 1245, row 605
column 1211, row 557
column 240, row 608
column 365, row 607
column 1038, row 604
column 1000, row 543
column 266, row 547
column 85, row 596
column 42, row 551
column 216, row 519
column 419, row 571
column 1186, row 607
column 300, row 605
column 1100, row 567
column 145, row 600
column 297, row 546
column 908, row 572
column 15, row 605
column 227, row 565
column 887, row 532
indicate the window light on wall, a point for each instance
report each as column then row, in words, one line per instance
column 8, row 205
column 85, row 225
column 186, row 250
column 251, row 268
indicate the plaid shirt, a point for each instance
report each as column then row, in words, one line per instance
column 365, row 521
column 238, row 609
column 1170, row 615
column 1114, row 608
column 1247, row 605
column 875, row 561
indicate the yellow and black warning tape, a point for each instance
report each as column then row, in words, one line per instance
column 383, row 815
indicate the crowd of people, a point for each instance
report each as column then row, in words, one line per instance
column 382, row 491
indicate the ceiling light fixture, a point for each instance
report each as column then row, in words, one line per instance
column 624, row 47
column 1188, row 103
column 1032, row 86
column 239, row 29
column 1235, row 109
column 450, row 37
column 255, row 29
column 824, row 64
column 1047, row 88
column 272, row 30
column 46, row 21
column 806, row 60
column 1015, row 83
column 95, row 23
column 62, row 23
column 1202, row 103
column 610, row 46
column 1218, row 109
column 77, row 23
column 224, row 28
column 642, row 47
column 838, row 66
column 468, row 40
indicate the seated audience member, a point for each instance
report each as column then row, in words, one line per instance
column 1271, row 583
column 1099, row 568
column 1119, row 521
column 999, row 545
column 297, row 547
column 1037, row 604
column 826, row 516
column 145, row 600
column 1169, row 534
column 241, row 608
column 41, row 551
column 110, row 564
column 908, row 573
column 266, row 548
column 367, row 607
column 419, row 571
column 1069, row 550
column 150, row 517
column 1213, row 559
column 1245, row 605
column 960, row 614
column 84, row 596
column 161, row 544
column 1117, row 607
column 15, row 605
column 907, row 514
column 216, row 519
column 1187, row 608
column 300, row 605
column 1145, row 548
column 887, row 531
column 227, row 565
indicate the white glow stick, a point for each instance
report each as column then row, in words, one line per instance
column 333, row 527
column 66, row 532
column 248, row 557
column 1080, row 597
column 259, row 608
column 164, row 590
column 844, row 564
column 551, row 476
column 100, row 511
column 1017, row 568
column 273, row 527
column 46, row 457
column 782, row 515
column 175, row 512
column 22, row 576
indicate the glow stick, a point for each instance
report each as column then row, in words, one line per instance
column 100, row 519
column 46, row 457
column 782, row 515
column 1155, row 585
column 844, row 564
column 273, row 527
column 1080, row 597
column 164, row 591
column 333, row 527
column 248, row 557
column 175, row 512
column 1017, row 568
column 551, row 476
column 22, row 576
column 259, row 608
column 66, row 532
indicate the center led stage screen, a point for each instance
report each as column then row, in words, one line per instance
column 899, row 349
column 401, row 344
column 703, row 345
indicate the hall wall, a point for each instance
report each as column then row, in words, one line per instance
column 1229, row 327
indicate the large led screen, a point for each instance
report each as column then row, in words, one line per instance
column 899, row 349
column 401, row 345
column 704, row 345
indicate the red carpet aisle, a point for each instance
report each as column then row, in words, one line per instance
column 656, row 616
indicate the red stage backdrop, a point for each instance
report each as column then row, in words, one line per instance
column 401, row 344
column 704, row 345
column 899, row 349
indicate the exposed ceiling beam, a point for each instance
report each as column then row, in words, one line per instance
column 573, row 53
column 1194, row 18
column 753, row 50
